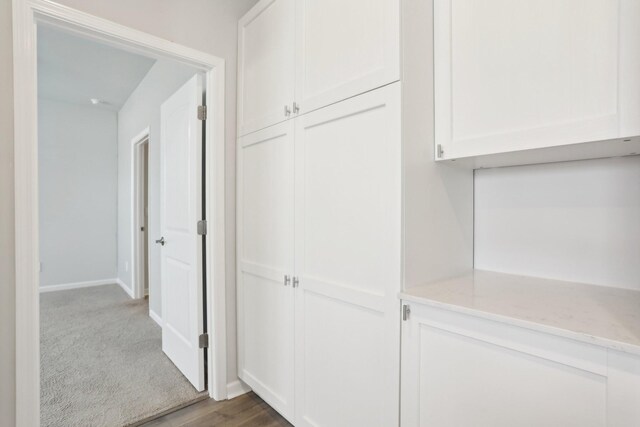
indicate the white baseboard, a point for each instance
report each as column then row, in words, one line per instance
column 77, row 285
column 155, row 317
column 125, row 288
column 237, row 388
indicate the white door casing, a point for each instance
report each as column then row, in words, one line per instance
column 265, row 256
column 265, row 65
column 347, row 261
column 180, row 210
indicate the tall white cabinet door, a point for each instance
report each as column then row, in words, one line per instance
column 344, row 48
column 265, row 65
column 265, row 257
column 347, row 251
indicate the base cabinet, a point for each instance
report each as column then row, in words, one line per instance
column 459, row 370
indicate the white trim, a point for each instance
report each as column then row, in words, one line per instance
column 26, row 14
column 77, row 285
column 125, row 288
column 136, row 271
column 155, row 317
column 237, row 388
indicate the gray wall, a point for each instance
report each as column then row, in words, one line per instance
column 576, row 221
column 77, row 164
column 210, row 26
column 7, row 254
column 142, row 110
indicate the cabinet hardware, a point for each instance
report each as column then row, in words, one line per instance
column 287, row 111
column 296, row 282
column 296, row 108
column 161, row 241
column 440, row 151
column 287, row 280
column 406, row 311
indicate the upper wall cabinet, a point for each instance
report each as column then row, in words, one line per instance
column 515, row 75
column 295, row 56
column 344, row 48
column 266, row 67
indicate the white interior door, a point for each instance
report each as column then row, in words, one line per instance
column 181, row 253
column 347, row 260
column 265, row 258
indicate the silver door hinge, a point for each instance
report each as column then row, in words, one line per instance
column 440, row 151
column 203, row 341
column 202, row 227
column 406, row 311
column 202, row 112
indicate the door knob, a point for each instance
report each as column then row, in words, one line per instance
column 161, row 241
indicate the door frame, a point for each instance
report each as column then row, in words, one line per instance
column 27, row 14
column 137, row 180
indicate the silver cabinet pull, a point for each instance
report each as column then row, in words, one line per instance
column 296, row 282
column 287, row 111
column 161, row 241
column 296, row 108
column 287, row 280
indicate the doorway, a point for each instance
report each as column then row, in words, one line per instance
column 27, row 17
column 140, row 234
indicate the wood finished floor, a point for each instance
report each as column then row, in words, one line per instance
column 247, row 410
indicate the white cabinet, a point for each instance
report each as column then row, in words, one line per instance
column 521, row 75
column 266, row 37
column 347, row 259
column 265, row 261
column 460, row 370
column 343, row 211
column 295, row 56
column 344, row 48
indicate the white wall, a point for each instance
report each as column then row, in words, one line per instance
column 577, row 221
column 78, row 160
column 140, row 111
column 7, row 248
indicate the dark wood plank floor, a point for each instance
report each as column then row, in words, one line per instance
column 247, row 410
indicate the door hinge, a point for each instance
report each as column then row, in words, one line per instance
column 406, row 311
column 202, row 227
column 202, row 112
column 203, row 341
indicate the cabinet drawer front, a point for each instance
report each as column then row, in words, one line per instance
column 344, row 48
column 265, row 64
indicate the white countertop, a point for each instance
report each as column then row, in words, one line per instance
column 604, row 316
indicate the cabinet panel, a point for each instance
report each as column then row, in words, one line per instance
column 344, row 48
column 265, row 256
column 348, row 195
column 265, row 64
column 517, row 75
column 507, row 377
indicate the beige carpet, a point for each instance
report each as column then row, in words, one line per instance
column 102, row 362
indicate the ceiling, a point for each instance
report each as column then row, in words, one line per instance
column 73, row 69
